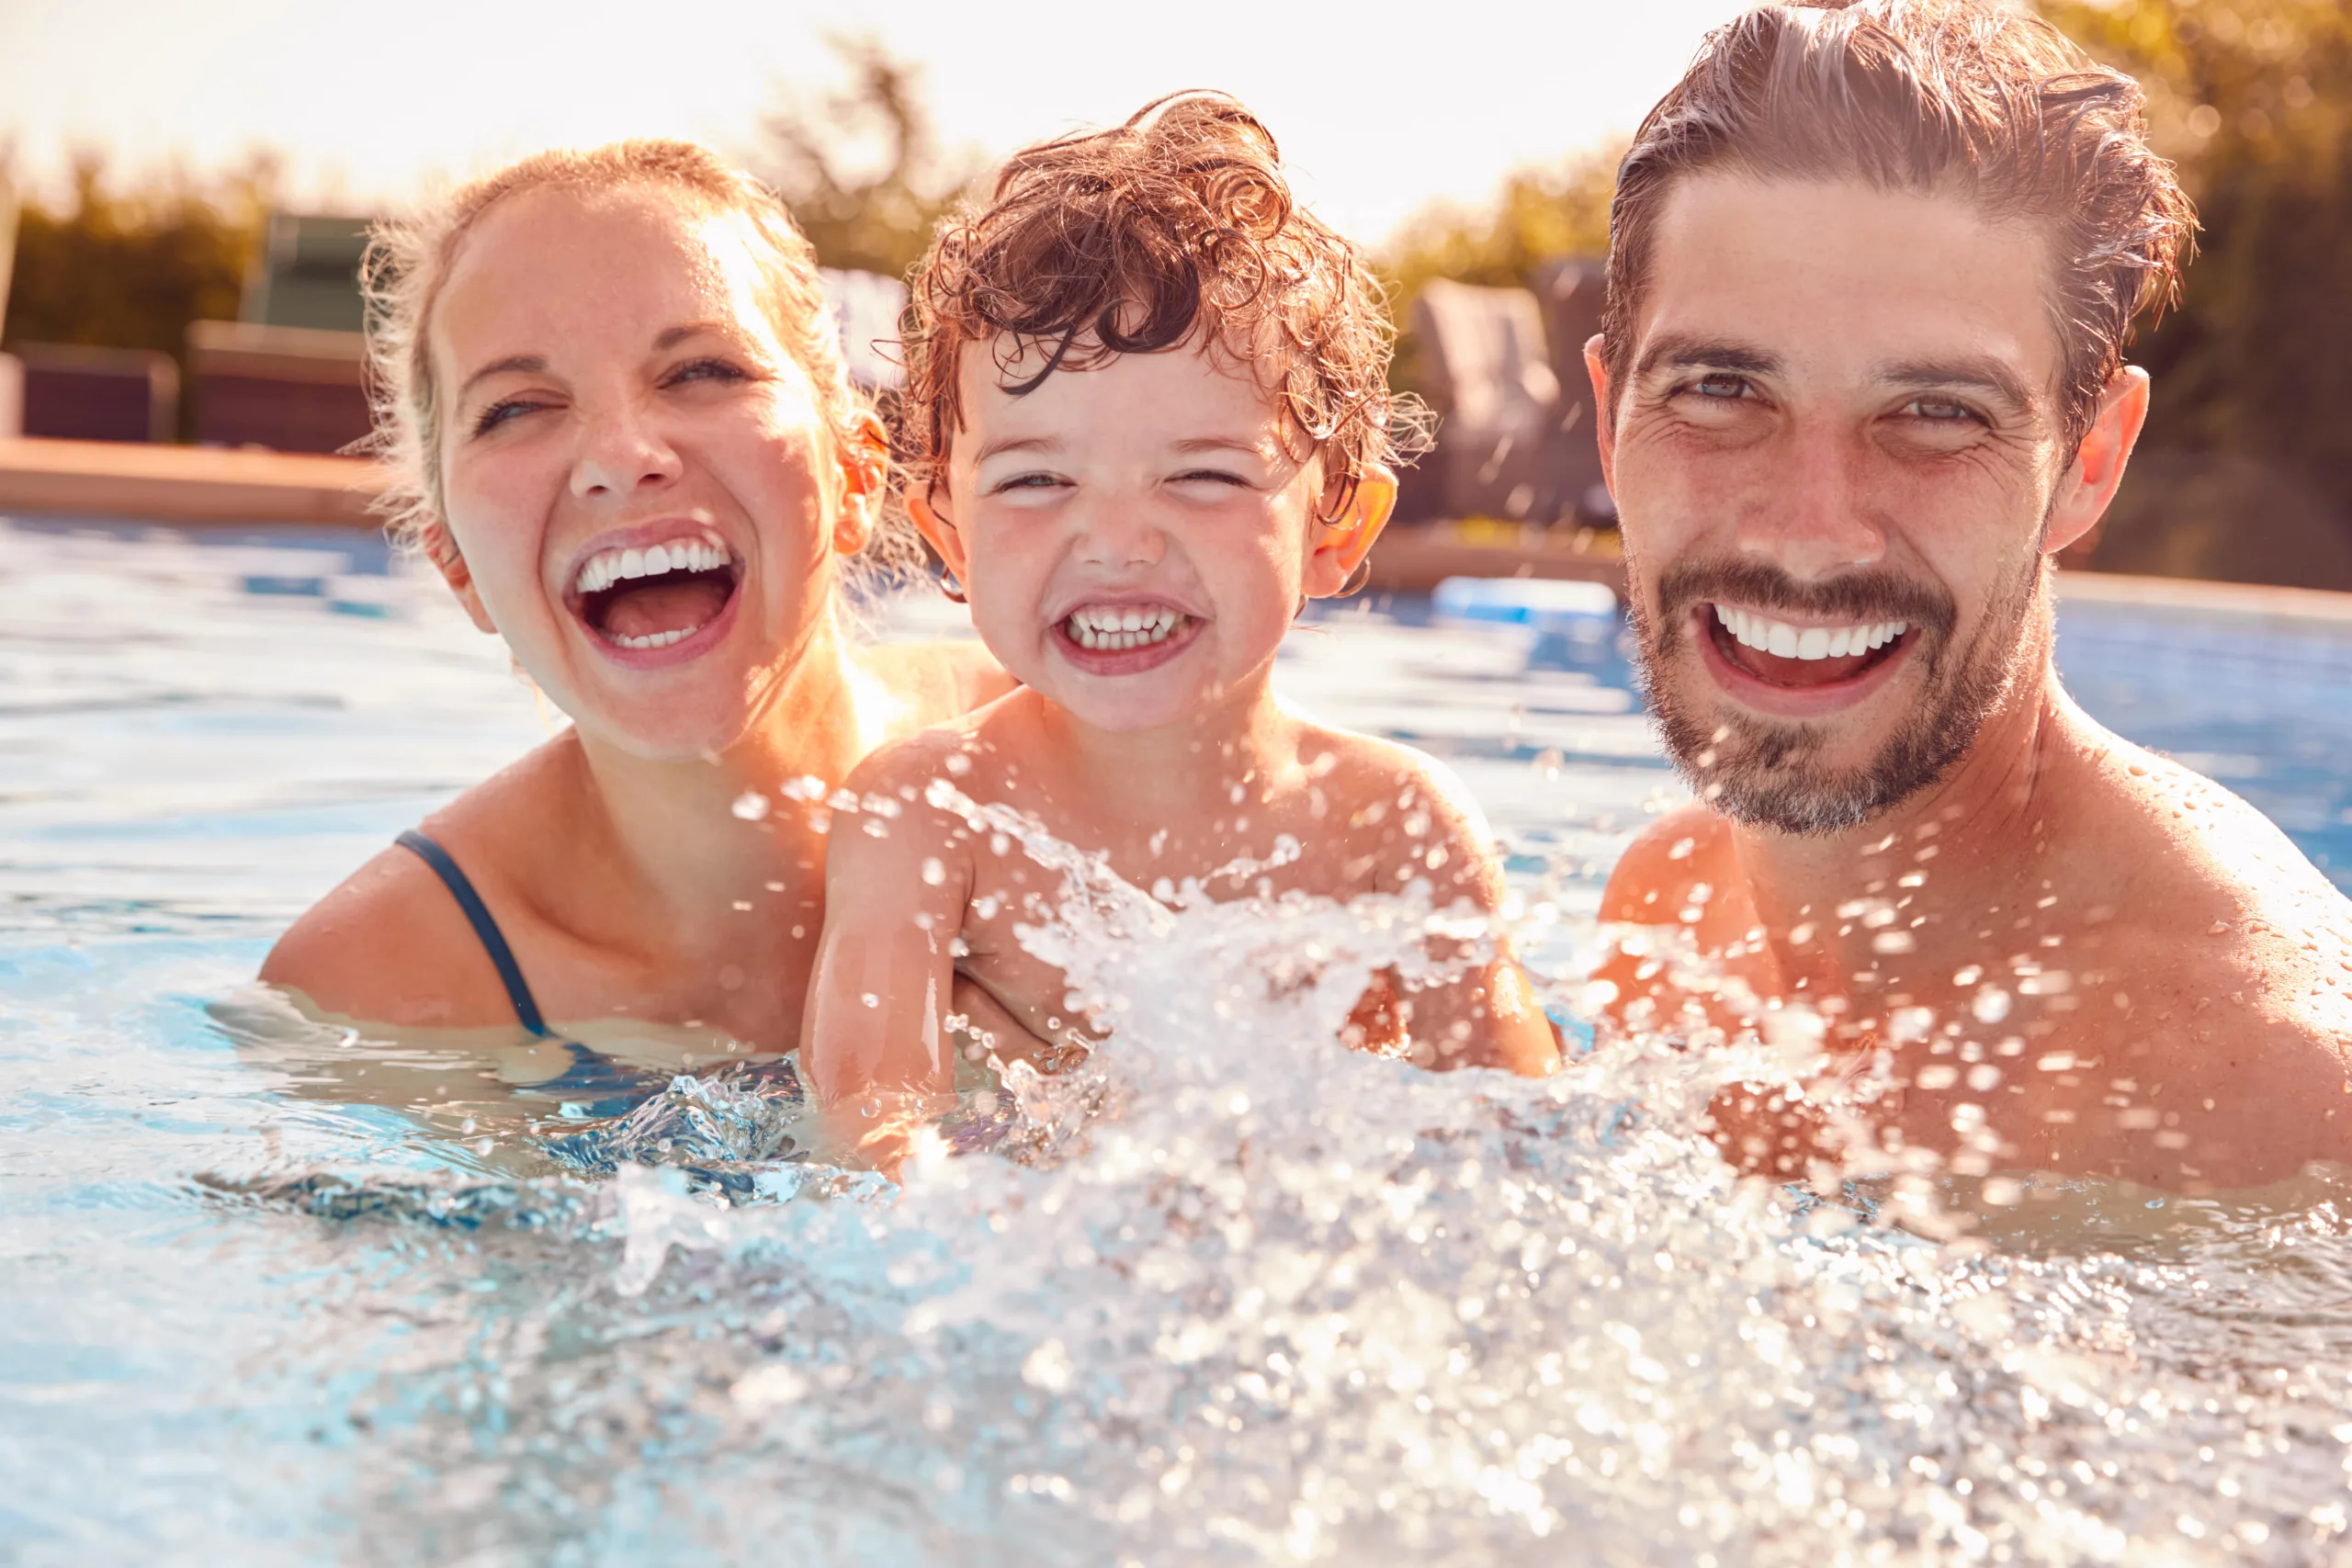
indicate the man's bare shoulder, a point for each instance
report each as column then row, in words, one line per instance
column 1675, row 852
column 390, row 944
column 2215, row 889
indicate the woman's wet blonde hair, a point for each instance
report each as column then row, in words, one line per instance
column 409, row 260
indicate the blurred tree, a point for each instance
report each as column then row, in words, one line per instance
column 863, row 173
column 2252, row 98
column 131, row 268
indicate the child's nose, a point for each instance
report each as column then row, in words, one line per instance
column 1116, row 537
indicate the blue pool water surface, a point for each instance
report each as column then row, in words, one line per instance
column 274, row 1295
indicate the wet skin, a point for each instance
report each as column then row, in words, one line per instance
column 1161, row 485
column 611, row 382
column 2065, row 952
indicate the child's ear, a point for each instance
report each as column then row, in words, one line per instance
column 441, row 549
column 937, row 531
column 1344, row 541
column 865, row 482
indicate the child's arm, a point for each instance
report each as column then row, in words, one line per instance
column 1489, row 1016
column 875, row 1042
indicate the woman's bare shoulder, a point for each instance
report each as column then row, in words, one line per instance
column 390, row 944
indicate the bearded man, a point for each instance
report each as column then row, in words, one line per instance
column 1860, row 377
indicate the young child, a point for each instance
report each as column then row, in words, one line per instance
column 1148, row 417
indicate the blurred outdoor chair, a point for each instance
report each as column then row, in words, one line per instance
column 74, row 392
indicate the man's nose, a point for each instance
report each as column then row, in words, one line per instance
column 620, row 452
column 1816, row 517
column 1118, row 535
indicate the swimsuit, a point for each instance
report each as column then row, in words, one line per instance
column 611, row 1087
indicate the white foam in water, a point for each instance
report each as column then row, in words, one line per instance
column 1225, row 1293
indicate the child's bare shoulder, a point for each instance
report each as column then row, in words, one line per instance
column 1365, row 774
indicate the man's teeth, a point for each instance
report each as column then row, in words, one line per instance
column 1785, row 641
column 1127, row 626
column 605, row 568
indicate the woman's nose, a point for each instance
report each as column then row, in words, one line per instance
column 620, row 453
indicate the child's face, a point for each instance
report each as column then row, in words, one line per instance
column 1135, row 539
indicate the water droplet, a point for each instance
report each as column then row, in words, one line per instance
column 751, row 805
column 1991, row 1006
column 870, row 1000
column 933, row 872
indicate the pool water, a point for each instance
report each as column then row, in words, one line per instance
column 274, row 1295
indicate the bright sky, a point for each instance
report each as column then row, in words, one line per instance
column 1379, row 107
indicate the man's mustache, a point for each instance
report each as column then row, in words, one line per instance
column 1869, row 593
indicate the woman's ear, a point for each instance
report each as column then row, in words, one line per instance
column 937, row 531
column 865, row 483
column 1346, row 540
column 441, row 549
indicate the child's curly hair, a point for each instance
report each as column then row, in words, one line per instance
column 1178, row 226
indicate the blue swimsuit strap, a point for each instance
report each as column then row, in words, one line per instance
column 493, row 940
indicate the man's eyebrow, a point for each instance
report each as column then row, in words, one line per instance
column 1688, row 351
column 1980, row 375
column 999, row 447
column 521, row 364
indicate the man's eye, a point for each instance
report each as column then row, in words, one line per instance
column 1721, row 388
column 1938, row 410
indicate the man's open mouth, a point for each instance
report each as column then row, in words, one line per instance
column 654, row 596
column 1784, row 653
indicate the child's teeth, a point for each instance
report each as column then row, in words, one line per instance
column 1120, row 629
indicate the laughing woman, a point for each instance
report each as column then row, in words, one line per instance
column 616, row 415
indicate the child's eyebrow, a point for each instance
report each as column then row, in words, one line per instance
column 1221, row 444
column 999, row 447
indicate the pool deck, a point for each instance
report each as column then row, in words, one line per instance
column 200, row 485
column 185, row 484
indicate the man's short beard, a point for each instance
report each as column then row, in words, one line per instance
column 1764, row 772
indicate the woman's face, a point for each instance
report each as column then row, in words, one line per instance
column 636, row 474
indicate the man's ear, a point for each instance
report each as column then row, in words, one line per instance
column 2089, row 482
column 866, row 484
column 441, row 549
column 1604, row 413
column 937, row 531
column 1344, row 541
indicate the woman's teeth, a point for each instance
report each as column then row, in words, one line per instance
column 653, row 639
column 1785, row 641
column 605, row 568
column 1127, row 625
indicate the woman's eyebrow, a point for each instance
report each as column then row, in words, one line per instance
column 518, row 364
column 672, row 337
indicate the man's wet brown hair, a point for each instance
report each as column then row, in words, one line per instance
column 1964, row 98
column 1178, row 227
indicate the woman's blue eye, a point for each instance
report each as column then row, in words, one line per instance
column 498, row 413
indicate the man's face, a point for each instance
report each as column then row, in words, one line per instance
column 1833, row 455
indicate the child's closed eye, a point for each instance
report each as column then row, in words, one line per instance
column 1214, row 476
column 1037, row 480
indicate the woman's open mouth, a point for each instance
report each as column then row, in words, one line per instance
column 1801, row 657
column 1122, row 639
column 644, row 599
